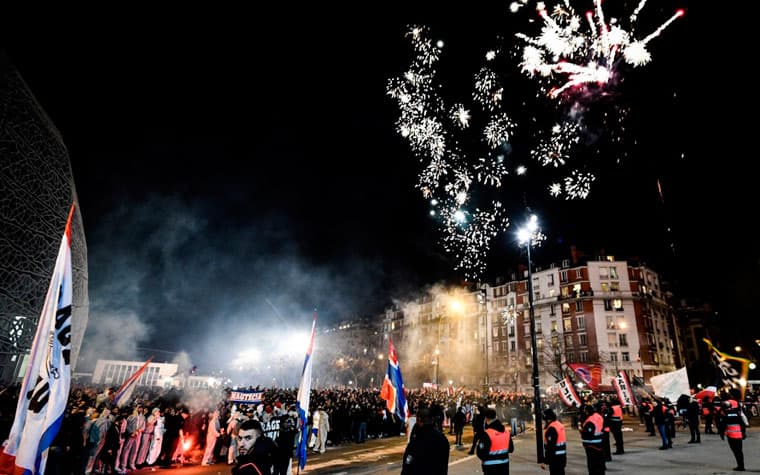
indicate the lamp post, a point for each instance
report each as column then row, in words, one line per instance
column 435, row 363
column 483, row 301
column 528, row 235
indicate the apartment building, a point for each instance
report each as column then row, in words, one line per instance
column 604, row 311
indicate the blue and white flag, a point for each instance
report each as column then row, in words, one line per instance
column 45, row 389
column 304, row 393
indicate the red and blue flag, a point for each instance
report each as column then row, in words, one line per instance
column 393, row 391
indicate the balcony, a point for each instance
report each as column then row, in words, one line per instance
column 577, row 295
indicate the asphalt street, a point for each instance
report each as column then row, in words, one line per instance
column 383, row 456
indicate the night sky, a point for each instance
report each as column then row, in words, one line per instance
column 236, row 169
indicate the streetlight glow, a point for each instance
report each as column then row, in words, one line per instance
column 456, row 305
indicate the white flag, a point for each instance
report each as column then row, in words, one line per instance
column 671, row 385
column 45, row 389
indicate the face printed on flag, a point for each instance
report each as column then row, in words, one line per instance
column 584, row 374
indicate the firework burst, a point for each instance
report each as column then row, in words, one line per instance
column 584, row 55
column 455, row 183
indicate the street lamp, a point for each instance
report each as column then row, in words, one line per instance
column 529, row 235
column 483, row 302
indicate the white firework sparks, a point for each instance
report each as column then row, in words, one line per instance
column 490, row 171
column 578, row 184
column 447, row 177
column 461, row 116
column 555, row 189
column 555, row 150
column 498, row 130
column 584, row 57
column 488, row 91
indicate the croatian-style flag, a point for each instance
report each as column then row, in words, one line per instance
column 393, row 386
column 45, row 389
column 304, row 393
column 125, row 391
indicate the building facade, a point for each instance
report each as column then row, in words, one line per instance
column 608, row 312
column 36, row 193
column 115, row 372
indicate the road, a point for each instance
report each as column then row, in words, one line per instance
column 383, row 456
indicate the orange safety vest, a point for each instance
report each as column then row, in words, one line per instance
column 561, row 447
column 598, row 423
column 499, row 452
column 617, row 413
column 733, row 428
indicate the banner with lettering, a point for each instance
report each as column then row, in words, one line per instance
column 246, row 397
column 567, row 393
column 623, row 388
column 732, row 371
column 44, row 390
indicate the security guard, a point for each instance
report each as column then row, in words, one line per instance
column 592, row 434
column 495, row 446
column 604, row 410
column 734, row 428
column 555, row 444
column 616, row 426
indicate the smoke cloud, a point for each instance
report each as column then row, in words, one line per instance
column 190, row 282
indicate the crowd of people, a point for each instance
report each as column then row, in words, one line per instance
column 168, row 427
column 598, row 419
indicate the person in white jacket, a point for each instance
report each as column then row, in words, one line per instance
column 212, row 434
column 322, row 422
column 158, row 437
